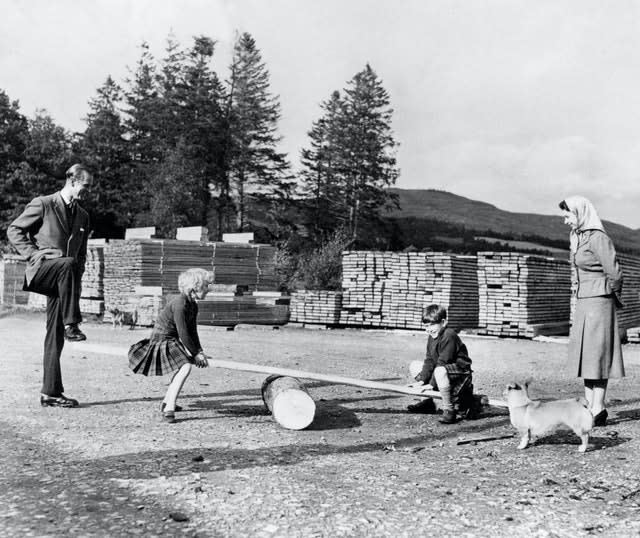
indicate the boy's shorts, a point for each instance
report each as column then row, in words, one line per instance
column 461, row 382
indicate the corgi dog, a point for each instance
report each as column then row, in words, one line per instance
column 535, row 418
column 119, row 318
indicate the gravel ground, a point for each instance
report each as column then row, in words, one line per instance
column 365, row 467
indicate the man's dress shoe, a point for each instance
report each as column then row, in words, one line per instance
column 57, row 401
column 73, row 334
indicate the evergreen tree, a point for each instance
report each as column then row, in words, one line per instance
column 47, row 153
column 254, row 166
column 322, row 173
column 144, row 123
column 14, row 132
column 203, row 97
column 370, row 163
column 351, row 158
column 105, row 149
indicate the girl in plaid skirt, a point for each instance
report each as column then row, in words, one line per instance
column 174, row 345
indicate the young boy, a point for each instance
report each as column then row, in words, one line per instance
column 447, row 366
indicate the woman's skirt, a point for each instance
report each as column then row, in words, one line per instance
column 595, row 351
column 158, row 357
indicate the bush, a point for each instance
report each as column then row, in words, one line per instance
column 320, row 268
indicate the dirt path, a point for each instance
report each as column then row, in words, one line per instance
column 366, row 467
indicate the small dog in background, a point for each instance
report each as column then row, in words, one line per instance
column 120, row 318
column 535, row 418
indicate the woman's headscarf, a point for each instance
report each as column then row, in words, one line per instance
column 587, row 218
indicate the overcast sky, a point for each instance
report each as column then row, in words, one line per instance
column 516, row 103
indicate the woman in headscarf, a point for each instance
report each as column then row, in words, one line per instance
column 594, row 343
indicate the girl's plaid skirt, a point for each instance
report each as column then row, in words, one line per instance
column 158, row 357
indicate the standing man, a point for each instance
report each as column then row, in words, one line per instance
column 52, row 234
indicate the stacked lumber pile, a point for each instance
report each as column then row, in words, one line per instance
column 92, row 296
column 629, row 316
column 11, row 280
column 522, row 295
column 245, row 264
column 311, row 306
column 143, row 305
column 228, row 309
column 633, row 335
column 156, row 263
column 387, row 289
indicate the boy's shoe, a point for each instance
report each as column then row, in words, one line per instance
column 448, row 417
column 426, row 406
column 169, row 417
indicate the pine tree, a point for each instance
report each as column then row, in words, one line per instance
column 351, row 158
column 322, row 173
column 104, row 147
column 370, row 163
column 144, row 123
column 14, row 132
column 205, row 137
column 254, row 166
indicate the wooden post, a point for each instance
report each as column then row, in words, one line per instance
column 289, row 402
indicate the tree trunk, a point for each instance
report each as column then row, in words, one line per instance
column 288, row 401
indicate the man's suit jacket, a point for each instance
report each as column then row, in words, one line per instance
column 43, row 231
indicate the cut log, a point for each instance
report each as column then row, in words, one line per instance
column 289, row 402
column 288, row 372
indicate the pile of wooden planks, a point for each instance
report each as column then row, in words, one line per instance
column 157, row 263
column 228, row 309
column 389, row 289
column 633, row 335
column 11, row 280
column 316, row 306
column 92, row 296
column 522, row 295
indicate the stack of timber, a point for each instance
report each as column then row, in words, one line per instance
column 228, row 309
column 633, row 335
column 523, row 295
column 92, row 296
column 11, row 280
column 158, row 262
column 143, row 306
column 629, row 315
column 245, row 264
column 386, row 289
column 314, row 306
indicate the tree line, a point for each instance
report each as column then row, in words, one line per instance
column 176, row 144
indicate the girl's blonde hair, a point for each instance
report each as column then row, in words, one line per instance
column 194, row 279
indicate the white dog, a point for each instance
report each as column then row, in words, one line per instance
column 534, row 418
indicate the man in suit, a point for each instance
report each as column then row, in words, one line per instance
column 52, row 233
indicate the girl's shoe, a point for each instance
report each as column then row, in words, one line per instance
column 178, row 407
column 169, row 417
column 601, row 418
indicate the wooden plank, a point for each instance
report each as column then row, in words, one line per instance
column 109, row 349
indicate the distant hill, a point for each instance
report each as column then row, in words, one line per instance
column 483, row 219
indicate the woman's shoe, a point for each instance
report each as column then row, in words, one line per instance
column 169, row 417
column 601, row 418
column 178, row 407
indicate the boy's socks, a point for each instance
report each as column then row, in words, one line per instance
column 445, row 394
